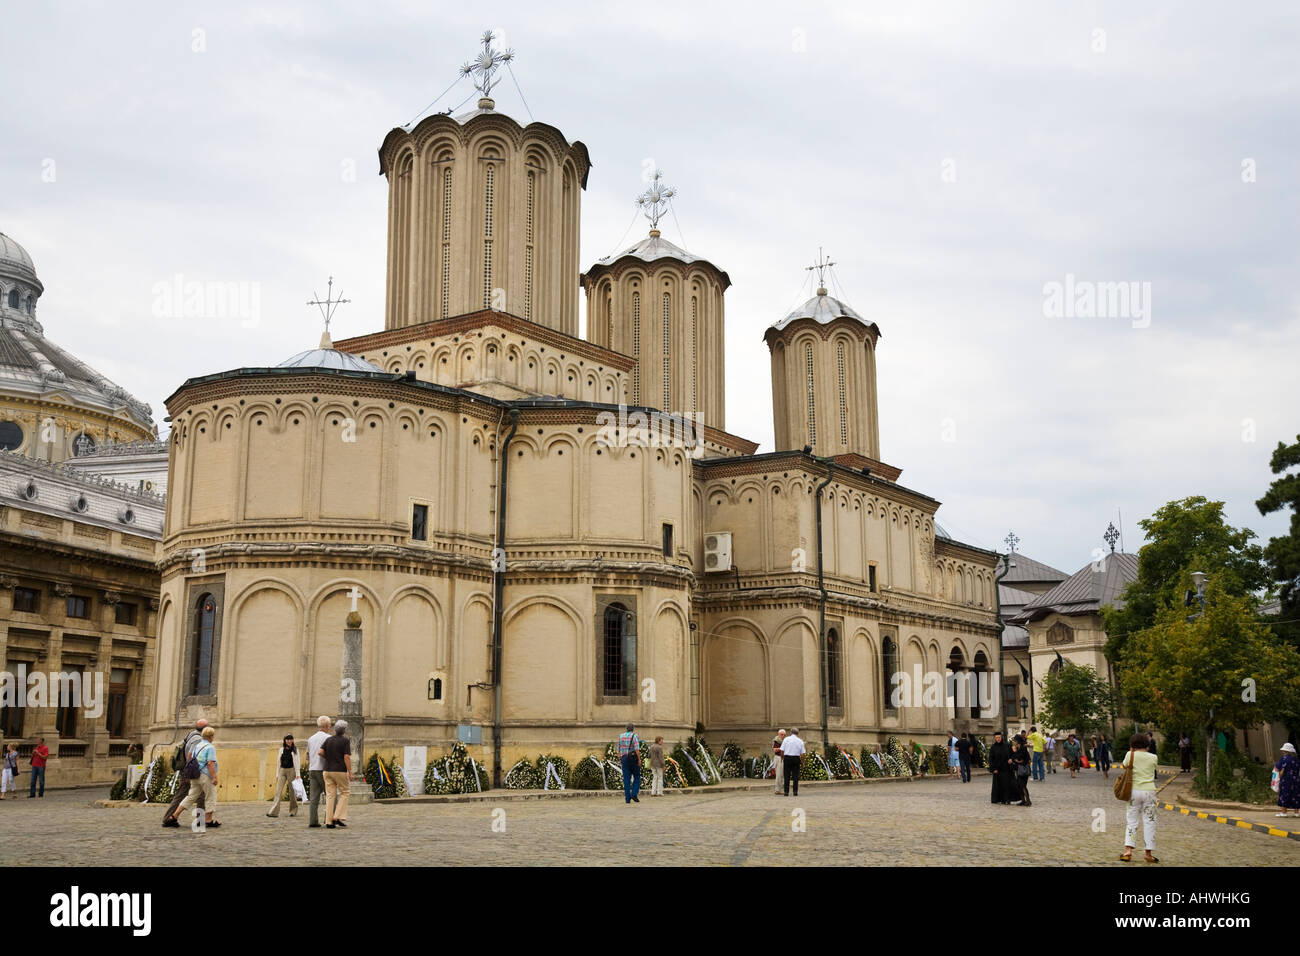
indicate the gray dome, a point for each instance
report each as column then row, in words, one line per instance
column 326, row 356
column 655, row 248
column 823, row 309
column 15, row 263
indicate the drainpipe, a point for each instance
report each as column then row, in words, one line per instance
column 498, row 589
column 997, row 606
column 821, row 586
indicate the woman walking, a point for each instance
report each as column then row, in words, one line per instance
column 1142, row 803
column 657, row 767
column 954, row 759
column 289, row 772
column 1288, row 784
column 1185, row 753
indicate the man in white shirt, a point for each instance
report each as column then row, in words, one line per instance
column 316, row 768
column 792, row 750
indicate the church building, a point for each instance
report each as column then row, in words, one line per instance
column 547, row 535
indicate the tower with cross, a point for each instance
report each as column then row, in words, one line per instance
column 820, row 267
column 482, row 69
column 653, row 203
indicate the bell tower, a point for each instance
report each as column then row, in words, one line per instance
column 824, row 376
column 483, row 213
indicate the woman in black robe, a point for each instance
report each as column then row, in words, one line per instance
column 1020, row 760
column 1001, row 771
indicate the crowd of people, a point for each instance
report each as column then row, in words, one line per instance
column 329, row 768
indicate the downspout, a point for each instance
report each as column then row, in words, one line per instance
column 821, row 586
column 498, row 589
column 997, row 604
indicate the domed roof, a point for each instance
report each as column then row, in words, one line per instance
column 653, row 248
column 823, row 310
column 15, row 263
column 327, row 356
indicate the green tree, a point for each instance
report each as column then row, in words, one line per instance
column 1218, row 670
column 1076, row 697
column 1282, row 555
column 1182, row 536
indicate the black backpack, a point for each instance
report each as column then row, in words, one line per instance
column 178, row 758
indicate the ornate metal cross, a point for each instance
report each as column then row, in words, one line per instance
column 483, row 68
column 1111, row 535
column 820, row 267
column 328, row 307
column 1011, row 541
column 653, row 203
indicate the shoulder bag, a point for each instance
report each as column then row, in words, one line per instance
column 1124, row 783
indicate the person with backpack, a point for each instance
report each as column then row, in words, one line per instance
column 179, row 759
column 201, row 770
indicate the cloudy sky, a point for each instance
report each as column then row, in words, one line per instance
column 953, row 161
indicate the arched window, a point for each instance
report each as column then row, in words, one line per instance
column 614, row 643
column 888, row 668
column 695, row 354
column 31, row 304
column 446, row 241
column 636, row 348
column 844, row 413
column 812, row 398
column 529, row 228
column 489, row 198
column 668, row 401
column 834, row 684
column 981, row 665
column 13, row 298
column 205, row 622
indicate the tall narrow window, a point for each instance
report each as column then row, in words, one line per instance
column 609, row 321
column 65, row 719
column 695, row 353
column 528, row 246
column 420, row 522
column 668, row 401
column 668, row 540
column 636, row 348
column 888, row 668
column 614, row 676
column 489, row 197
column 205, row 621
column 834, row 689
column 446, row 242
column 116, row 714
column 812, row 398
column 844, row 418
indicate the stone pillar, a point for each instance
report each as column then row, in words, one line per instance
column 350, row 705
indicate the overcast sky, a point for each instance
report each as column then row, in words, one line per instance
column 952, row 161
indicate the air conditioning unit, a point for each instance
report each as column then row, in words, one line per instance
column 717, row 551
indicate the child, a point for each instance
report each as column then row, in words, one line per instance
column 10, row 772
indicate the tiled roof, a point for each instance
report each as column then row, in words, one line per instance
column 1085, row 591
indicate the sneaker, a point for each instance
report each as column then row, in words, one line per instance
column 173, row 822
column 635, row 800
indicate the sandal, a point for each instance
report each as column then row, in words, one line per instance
column 1151, row 859
column 1126, row 857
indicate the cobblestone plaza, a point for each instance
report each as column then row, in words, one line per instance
column 923, row 823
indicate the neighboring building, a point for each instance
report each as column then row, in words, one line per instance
column 78, row 582
column 1065, row 624
column 1025, row 579
column 618, row 578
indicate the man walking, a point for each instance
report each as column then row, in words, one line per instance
column 778, row 761
column 1049, row 753
column 629, row 755
column 657, row 768
column 191, row 743
column 1039, row 743
column 202, row 794
column 337, row 752
column 40, row 754
column 316, row 768
column 792, row 751
column 963, row 757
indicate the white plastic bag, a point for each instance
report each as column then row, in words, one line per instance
column 298, row 790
